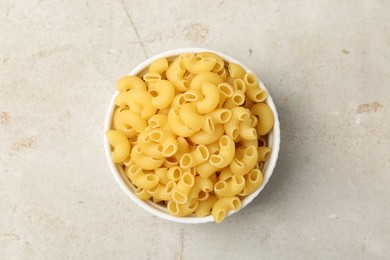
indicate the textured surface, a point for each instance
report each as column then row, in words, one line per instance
column 326, row 63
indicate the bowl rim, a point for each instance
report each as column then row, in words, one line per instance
column 269, row 167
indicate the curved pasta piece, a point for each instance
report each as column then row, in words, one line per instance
column 237, row 99
column 201, row 186
column 192, row 95
column 211, row 98
column 194, row 158
column 229, row 187
column 239, row 84
column 208, row 125
column 159, row 121
column 219, row 64
column 162, row 192
column 175, row 74
column 162, row 93
column 213, row 148
column 176, row 124
column 205, row 169
column 137, row 97
column 183, row 147
column 191, row 117
column 162, row 175
column 182, row 188
column 178, row 101
column 170, row 162
column 143, row 194
column 221, row 115
column 174, row 173
column 222, row 206
column 120, row 145
column 198, row 81
column 253, row 181
column 232, row 128
column 223, row 73
column 265, row 116
column 235, row 70
column 247, row 132
column 196, row 64
column 122, row 127
column 130, row 82
column 241, row 166
column 148, row 146
column 159, row 66
column 128, row 119
column 264, row 153
column 225, row 174
column 205, row 207
column 151, row 77
column 202, row 137
column 225, row 154
column 144, row 161
column 166, row 140
column 140, row 179
column 181, row 210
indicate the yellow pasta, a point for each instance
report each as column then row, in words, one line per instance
column 235, row 70
column 120, row 145
column 265, row 116
column 162, row 174
column 190, row 133
column 225, row 154
column 198, row 81
column 196, row 64
column 130, row 82
column 194, row 158
column 191, row 117
column 175, row 74
column 182, row 188
column 222, row 207
column 210, row 100
column 202, row 137
column 176, row 124
column 144, row 161
column 181, row 210
column 264, row 153
column 140, row 179
column 229, row 187
column 205, row 207
column 243, row 165
column 162, row 93
column 219, row 64
column 253, row 181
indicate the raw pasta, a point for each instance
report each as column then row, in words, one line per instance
column 191, row 133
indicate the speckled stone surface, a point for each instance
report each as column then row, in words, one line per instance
column 326, row 64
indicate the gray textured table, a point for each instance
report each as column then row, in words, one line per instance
column 326, row 63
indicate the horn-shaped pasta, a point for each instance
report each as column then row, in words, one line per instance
column 140, row 179
column 237, row 99
column 222, row 206
column 144, row 161
column 159, row 121
column 235, row 70
column 181, row 210
column 221, row 116
column 219, row 64
column 226, row 153
column 120, row 145
column 198, row 81
column 176, row 124
column 139, row 98
column 205, row 169
column 253, row 181
column 175, row 74
column 202, row 137
column 182, row 188
column 265, row 116
column 162, row 93
column 211, row 98
column 247, row 132
column 194, row 158
column 191, row 117
column 264, row 153
column 159, row 66
column 130, row 82
column 196, row 64
column 229, row 187
column 225, row 92
column 162, row 192
column 205, row 207
column 241, row 166
column 203, row 185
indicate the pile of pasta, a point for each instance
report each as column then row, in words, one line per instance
column 191, row 134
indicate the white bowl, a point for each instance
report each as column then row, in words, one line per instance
column 157, row 210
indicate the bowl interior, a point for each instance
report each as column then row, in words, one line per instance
column 159, row 210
